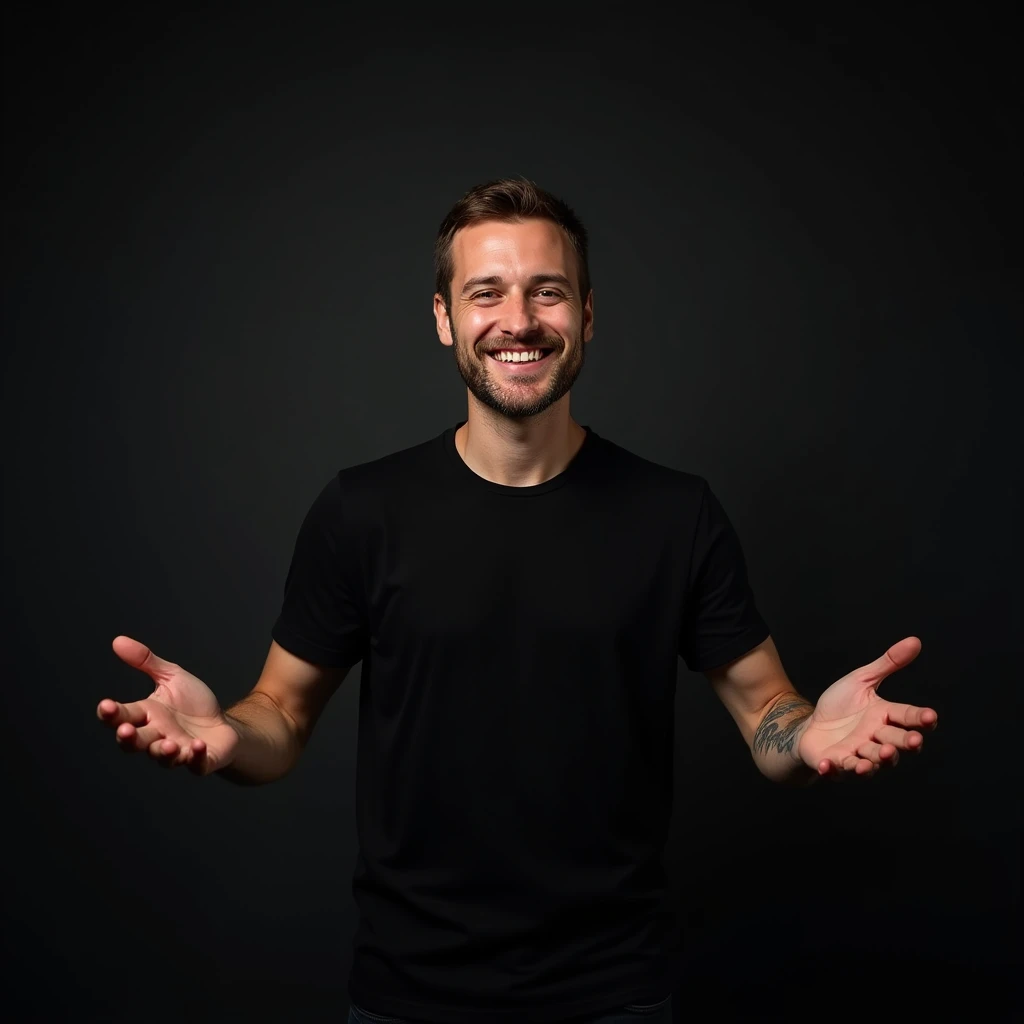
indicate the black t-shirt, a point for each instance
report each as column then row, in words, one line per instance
column 514, row 779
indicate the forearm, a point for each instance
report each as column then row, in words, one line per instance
column 268, row 745
column 775, row 742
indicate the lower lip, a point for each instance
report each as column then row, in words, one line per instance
column 522, row 369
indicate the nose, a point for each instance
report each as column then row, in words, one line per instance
column 517, row 316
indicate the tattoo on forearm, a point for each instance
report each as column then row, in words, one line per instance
column 771, row 735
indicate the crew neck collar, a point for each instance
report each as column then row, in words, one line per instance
column 473, row 479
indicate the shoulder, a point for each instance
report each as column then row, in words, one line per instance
column 363, row 491
column 394, row 468
column 644, row 476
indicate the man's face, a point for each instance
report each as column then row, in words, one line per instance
column 516, row 288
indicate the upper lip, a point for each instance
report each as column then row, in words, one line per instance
column 517, row 348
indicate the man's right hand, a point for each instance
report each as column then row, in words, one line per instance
column 180, row 722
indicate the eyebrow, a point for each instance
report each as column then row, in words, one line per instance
column 537, row 279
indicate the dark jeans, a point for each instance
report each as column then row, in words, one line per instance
column 635, row 1013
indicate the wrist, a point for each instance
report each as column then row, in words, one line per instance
column 777, row 740
column 265, row 746
column 798, row 735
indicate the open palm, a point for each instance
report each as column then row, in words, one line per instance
column 179, row 723
column 853, row 730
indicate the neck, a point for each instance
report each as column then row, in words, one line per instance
column 519, row 453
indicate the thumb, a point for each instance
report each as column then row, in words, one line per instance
column 898, row 656
column 139, row 656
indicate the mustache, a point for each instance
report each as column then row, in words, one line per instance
column 496, row 344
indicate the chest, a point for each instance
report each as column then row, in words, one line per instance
column 580, row 584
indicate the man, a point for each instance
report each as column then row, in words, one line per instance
column 519, row 590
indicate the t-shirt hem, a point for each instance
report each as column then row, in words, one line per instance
column 643, row 991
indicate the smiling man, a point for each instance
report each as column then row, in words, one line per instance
column 519, row 590
column 514, row 301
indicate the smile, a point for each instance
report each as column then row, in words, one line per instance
column 532, row 360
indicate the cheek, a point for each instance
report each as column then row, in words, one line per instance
column 475, row 325
column 562, row 321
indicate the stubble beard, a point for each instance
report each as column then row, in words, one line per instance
column 510, row 398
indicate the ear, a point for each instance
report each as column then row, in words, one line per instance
column 444, row 327
column 588, row 316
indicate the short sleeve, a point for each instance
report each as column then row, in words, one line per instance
column 322, row 619
column 720, row 618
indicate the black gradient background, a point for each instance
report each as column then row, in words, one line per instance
column 806, row 250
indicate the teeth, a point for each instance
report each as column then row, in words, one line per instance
column 517, row 357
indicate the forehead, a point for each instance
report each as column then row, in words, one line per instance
column 527, row 247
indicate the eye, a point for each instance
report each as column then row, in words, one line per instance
column 549, row 293
column 484, row 294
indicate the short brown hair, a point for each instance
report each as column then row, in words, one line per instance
column 507, row 199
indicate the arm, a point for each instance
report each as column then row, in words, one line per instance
column 276, row 719
column 767, row 709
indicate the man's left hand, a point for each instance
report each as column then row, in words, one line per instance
column 853, row 731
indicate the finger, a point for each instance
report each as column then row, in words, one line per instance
column 198, row 761
column 185, row 753
column 870, row 752
column 139, row 656
column 878, row 754
column 172, row 752
column 853, row 764
column 114, row 713
column 127, row 736
column 131, row 738
column 834, row 770
column 912, row 717
column 164, row 750
column 896, row 657
column 180, row 755
column 902, row 739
